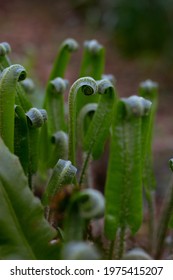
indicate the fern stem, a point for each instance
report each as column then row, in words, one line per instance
column 151, row 222
column 111, row 250
column 164, row 221
column 84, row 167
column 121, row 241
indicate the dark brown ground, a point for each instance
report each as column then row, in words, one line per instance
column 37, row 29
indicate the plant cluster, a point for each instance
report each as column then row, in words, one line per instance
column 50, row 149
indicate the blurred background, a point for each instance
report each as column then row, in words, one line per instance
column 137, row 35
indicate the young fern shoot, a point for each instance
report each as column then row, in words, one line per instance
column 5, row 49
column 149, row 90
column 123, row 191
column 9, row 78
column 35, row 119
column 54, row 105
column 86, row 86
column 92, row 65
column 98, row 131
column 54, row 99
column 63, row 174
column 84, row 206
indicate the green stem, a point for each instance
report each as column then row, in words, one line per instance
column 84, row 167
column 121, row 243
column 111, row 250
column 63, row 57
column 164, row 221
column 151, row 222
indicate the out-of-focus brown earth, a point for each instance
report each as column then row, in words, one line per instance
column 36, row 29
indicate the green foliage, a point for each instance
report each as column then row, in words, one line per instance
column 25, row 234
column 48, row 151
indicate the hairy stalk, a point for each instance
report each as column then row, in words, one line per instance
column 165, row 217
column 121, row 241
column 21, row 147
column 84, row 167
column 111, row 250
column 83, row 121
column 151, row 220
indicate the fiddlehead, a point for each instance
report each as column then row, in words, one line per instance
column 79, row 251
column 91, row 204
column 63, row 174
column 93, row 60
column 28, row 85
column 54, row 105
column 36, row 117
column 136, row 254
column 59, row 142
column 8, row 81
column 110, row 78
column 67, row 47
column 84, row 206
column 86, row 86
column 148, row 88
column 5, row 49
column 136, row 106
